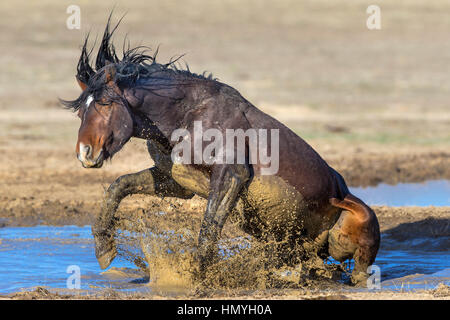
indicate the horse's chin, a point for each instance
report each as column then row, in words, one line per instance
column 96, row 165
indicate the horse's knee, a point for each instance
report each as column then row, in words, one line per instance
column 140, row 182
column 117, row 187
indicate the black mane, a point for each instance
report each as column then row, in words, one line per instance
column 135, row 64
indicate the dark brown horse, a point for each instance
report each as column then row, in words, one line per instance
column 304, row 201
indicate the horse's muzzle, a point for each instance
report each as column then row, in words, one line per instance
column 85, row 157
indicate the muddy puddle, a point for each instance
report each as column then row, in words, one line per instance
column 413, row 255
column 433, row 192
column 40, row 256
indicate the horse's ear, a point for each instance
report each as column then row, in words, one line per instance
column 110, row 72
column 82, row 85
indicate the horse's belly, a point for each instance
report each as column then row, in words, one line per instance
column 276, row 203
column 278, row 207
column 268, row 203
column 191, row 179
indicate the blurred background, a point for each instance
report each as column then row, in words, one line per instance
column 374, row 103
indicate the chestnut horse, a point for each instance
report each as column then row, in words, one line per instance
column 305, row 201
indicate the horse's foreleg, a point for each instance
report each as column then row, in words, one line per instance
column 226, row 183
column 150, row 181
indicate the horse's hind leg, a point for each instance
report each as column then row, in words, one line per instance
column 355, row 235
column 151, row 181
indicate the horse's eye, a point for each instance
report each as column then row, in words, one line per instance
column 104, row 104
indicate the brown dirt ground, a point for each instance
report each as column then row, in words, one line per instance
column 442, row 292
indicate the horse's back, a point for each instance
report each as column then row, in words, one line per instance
column 299, row 164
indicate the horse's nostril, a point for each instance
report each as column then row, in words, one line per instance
column 86, row 150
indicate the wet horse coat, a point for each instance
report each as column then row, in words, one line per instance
column 303, row 202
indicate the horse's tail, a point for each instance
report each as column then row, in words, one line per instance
column 356, row 206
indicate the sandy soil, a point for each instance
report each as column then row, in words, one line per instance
column 442, row 292
column 374, row 104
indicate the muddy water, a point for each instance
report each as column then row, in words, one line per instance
column 434, row 192
column 39, row 256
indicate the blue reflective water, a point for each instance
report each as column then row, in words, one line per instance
column 409, row 266
column 429, row 193
column 39, row 256
column 399, row 259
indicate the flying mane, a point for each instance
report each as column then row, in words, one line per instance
column 135, row 65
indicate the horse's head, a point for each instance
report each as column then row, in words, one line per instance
column 106, row 121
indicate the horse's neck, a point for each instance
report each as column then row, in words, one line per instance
column 157, row 99
column 161, row 109
column 146, row 129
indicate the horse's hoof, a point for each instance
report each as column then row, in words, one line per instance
column 105, row 250
column 105, row 259
column 359, row 279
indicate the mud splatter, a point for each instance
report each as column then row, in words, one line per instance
column 164, row 245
